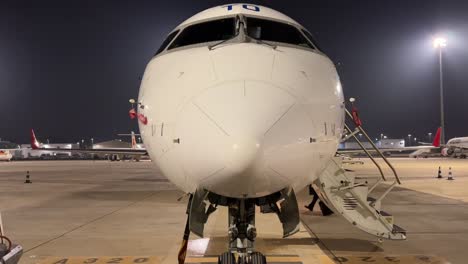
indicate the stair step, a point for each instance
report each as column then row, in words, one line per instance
column 352, row 201
column 383, row 213
column 397, row 229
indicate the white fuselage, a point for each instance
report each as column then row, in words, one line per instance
column 243, row 120
column 460, row 142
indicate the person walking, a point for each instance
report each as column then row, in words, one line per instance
column 323, row 207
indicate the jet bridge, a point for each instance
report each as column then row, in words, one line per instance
column 354, row 198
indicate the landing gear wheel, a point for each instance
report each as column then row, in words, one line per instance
column 257, row 258
column 226, row 258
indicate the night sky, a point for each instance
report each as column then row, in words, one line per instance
column 68, row 68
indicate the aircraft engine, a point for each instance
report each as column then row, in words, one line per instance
column 446, row 152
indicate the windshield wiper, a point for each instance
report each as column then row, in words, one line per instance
column 262, row 42
column 211, row 47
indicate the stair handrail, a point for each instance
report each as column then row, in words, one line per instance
column 367, row 153
column 374, row 147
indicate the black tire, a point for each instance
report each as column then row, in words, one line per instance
column 257, row 258
column 226, row 258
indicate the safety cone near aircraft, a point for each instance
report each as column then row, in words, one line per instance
column 450, row 176
column 28, row 179
column 439, row 174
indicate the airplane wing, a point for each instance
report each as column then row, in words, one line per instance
column 36, row 145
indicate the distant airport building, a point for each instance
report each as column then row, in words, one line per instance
column 116, row 143
column 385, row 143
column 391, row 143
column 28, row 153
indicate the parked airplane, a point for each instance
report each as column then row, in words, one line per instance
column 119, row 144
column 456, row 147
column 434, row 148
column 6, row 149
column 134, row 151
column 239, row 107
column 5, row 155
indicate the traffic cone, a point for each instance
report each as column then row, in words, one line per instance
column 450, row 177
column 439, row 174
column 27, row 178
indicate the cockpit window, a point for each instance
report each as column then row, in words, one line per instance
column 311, row 38
column 167, row 41
column 275, row 31
column 221, row 29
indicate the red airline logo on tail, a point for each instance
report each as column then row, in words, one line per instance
column 436, row 142
column 34, row 143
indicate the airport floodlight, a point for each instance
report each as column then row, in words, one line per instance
column 385, row 137
column 132, row 101
column 352, row 99
column 440, row 42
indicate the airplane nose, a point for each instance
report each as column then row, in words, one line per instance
column 242, row 154
column 227, row 133
column 244, row 108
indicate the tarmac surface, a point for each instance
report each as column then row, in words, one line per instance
column 99, row 211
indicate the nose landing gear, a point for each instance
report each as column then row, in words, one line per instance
column 241, row 221
column 252, row 258
column 242, row 234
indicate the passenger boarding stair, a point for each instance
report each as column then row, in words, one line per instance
column 350, row 196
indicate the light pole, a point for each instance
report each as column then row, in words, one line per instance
column 430, row 136
column 415, row 141
column 440, row 43
column 409, row 139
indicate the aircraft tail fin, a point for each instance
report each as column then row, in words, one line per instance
column 34, row 143
column 436, row 142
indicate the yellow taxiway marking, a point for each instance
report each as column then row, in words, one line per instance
column 149, row 260
column 102, row 260
column 382, row 259
column 324, row 259
column 201, row 260
column 270, row 259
